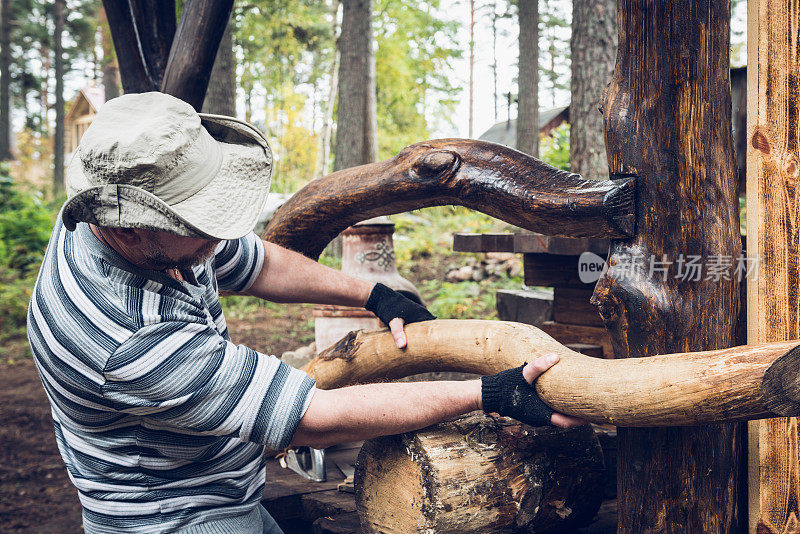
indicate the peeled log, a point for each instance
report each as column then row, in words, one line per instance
column 490, row 178
column 480, row 474
column 693, row 388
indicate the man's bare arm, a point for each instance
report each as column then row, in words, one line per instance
column 291, row 277
column 367, row 411
column 362, row 412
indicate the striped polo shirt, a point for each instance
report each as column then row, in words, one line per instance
column 162, row 421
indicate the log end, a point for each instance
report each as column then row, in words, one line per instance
column 619, row 204
column 780, row 387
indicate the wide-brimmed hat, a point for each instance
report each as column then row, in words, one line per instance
column 149, row 160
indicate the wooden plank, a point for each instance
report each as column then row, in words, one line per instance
column 571, row 305
column 550, row 270
column 326, row 503
column 529, row 306
column 490, row 242
column 773, row 311
column 529, row 242
column 284, row 490
column 339, row 524
column 573, row 333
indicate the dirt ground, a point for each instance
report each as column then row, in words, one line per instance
column 35, row 492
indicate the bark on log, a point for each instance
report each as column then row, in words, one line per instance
column 736, row 384
column 494, row 179
column 194, row 49
column 667, row 120
column 480, row 474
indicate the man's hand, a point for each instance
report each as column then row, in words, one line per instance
column 512, row 393
column 395, row 310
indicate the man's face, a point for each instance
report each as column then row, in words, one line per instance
column 163, row 250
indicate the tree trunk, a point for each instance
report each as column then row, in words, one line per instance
column 356, row 123
column 594, row 47
column 471, row 68
column 110, row 67
column 745, row 382
column 494, row 179
column 58, row 141
column 480, row 474
column 667, row 119
column 773, row 77
column 5, row 79
column 221, row 96
column 528, row 81
column 323, row 160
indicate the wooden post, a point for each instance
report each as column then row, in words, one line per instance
column 773, row 236
column 142, row 31
column 667, row 118
column 194, row 49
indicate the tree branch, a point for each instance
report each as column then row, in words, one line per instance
column 736, row 384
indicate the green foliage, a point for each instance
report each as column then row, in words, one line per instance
column 25, row 226
column 424, row 237
column 428, row 232
column 414, row 51
column 465, row 300
column 554, row 149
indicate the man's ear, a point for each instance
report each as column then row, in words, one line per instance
column 130, row 237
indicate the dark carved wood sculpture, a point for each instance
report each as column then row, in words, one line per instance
column 735, row 384
column 668, row 120
column 490, row 178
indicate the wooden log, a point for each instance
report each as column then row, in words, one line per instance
column 194, row 49
column 694, row 388
column 132, row 69
column 480, row 474
column 773, row 76
column 154, row 21
column 493, row 179
column 667, row 121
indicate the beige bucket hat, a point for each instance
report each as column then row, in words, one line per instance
column 149, row 160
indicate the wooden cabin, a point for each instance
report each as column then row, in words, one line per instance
column 80, row 115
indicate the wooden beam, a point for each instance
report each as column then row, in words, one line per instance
column 142, row 31
column 667, row 120
column 194, row 49
column 773, row 238
column 493, row 179
column 693, row 388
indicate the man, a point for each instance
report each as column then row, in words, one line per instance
column 161, row 420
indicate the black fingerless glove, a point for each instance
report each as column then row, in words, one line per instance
column 388, row 304
column 508, row 393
